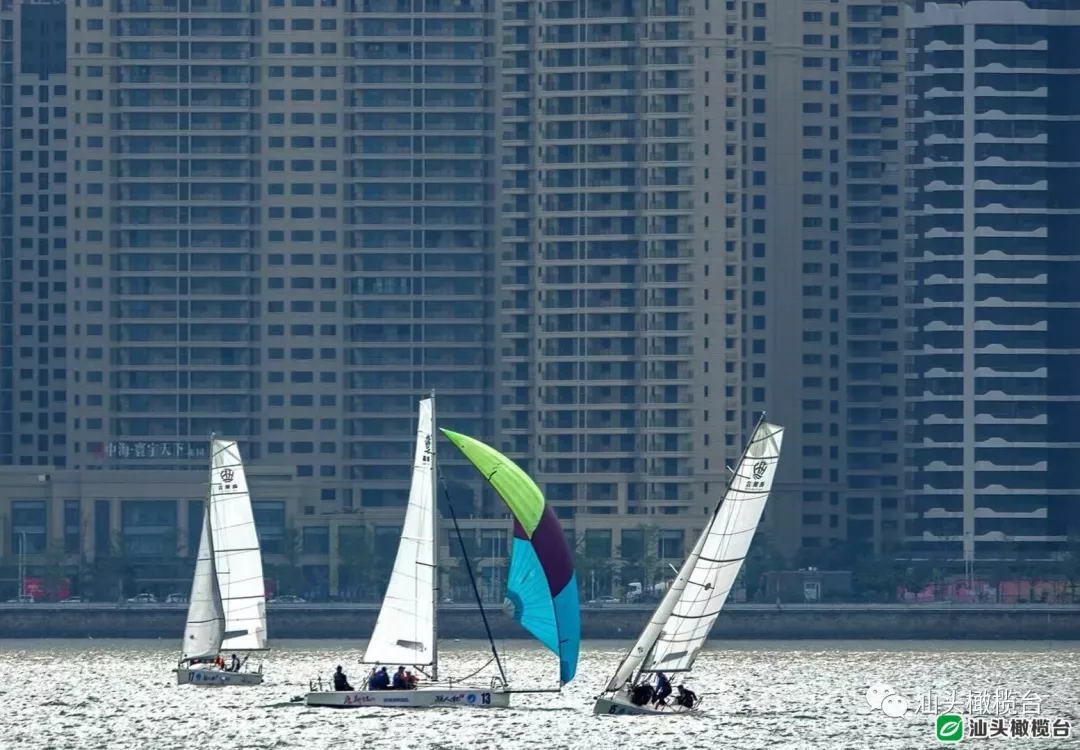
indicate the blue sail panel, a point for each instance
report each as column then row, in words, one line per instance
column 554, row 622
column 528, row 598
column 568, row 615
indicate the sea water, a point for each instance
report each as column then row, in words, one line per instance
column 104, row 694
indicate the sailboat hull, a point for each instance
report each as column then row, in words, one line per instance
column 217, row 678
column 418, row 698
column 618, row 704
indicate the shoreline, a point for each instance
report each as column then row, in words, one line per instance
column 742, row 622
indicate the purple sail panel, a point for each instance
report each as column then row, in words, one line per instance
column 552, row 551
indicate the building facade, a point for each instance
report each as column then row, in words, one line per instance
column 286, row 237
column 613, row 374
column 820, row 245
column 992, row 267
column 103, row 535
column 35, row 166
column 420, row 242
column 607, row 233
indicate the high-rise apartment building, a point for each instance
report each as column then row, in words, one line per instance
column 35, row 164
column 614, row 376
column 207, row 227
column 419, row 253
column 992, row 258
column 283, row 232
column 821, row 128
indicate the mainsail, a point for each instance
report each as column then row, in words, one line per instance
column 205, row 620
column 681, row 624
column 541, row 587
column 235, row 545
column 405, row 630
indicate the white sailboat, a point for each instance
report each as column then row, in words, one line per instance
column 227, row 609
column 406, row 632
column 679, row 627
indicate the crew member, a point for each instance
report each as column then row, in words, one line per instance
column 341, row 682
column 663, row 689
column 686, row 698
column 641, row 694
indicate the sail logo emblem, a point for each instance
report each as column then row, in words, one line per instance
column 759, row 469
column 227, row 476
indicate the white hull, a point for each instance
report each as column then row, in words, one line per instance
column 217, row 678
column 618, row 704
column 430, row 697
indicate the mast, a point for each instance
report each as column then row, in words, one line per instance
column 215, row 587
column 472, row 580
column 435, row 551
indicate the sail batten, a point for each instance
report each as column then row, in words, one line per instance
column 680, row 626
column 405, row 629
column 237, row 557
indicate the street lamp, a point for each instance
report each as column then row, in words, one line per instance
column 493, row 578
column 22, row 563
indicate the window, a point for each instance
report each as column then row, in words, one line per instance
column 29, row 525
column 669, row 544
column 148, row 527
column 316, row 540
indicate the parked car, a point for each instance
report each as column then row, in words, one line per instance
column 143, row 599
column 72, row 600
column 287, row 599
column 602, row 600
column 21, row 599
column 176, row 599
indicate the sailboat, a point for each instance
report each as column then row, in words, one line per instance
column 673, row 638
column 541, row 590
column 227, row 609
column 406, row 631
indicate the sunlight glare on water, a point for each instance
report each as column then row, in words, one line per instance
column 99, row 695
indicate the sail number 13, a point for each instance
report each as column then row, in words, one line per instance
column 485, row 699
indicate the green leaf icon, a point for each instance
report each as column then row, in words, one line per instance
column 949, row 728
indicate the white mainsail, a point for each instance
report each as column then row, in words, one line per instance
column 405, row 630
column 681, row 624
column 237, row 558
column 205, row 619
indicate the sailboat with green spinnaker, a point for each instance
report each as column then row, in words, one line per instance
column 406, row 632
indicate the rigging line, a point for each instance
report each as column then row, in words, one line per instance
column 469, row 677
column 472, row 579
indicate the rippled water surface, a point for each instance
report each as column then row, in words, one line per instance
column 96, row 694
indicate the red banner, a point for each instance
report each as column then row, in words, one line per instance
column 35, row 587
